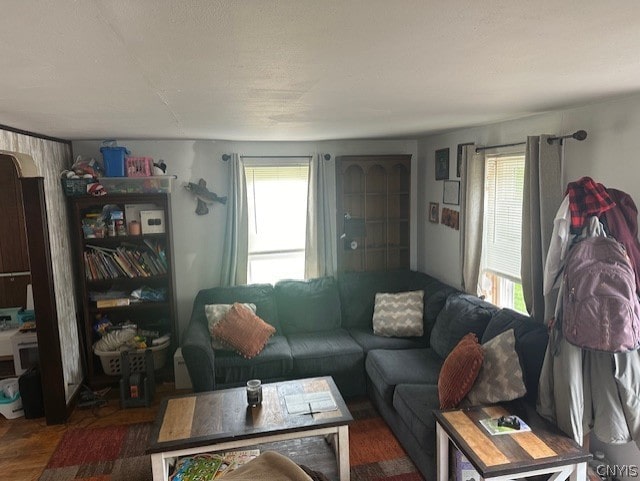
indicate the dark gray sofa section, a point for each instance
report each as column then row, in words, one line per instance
column 406, row 398
column 324, row 327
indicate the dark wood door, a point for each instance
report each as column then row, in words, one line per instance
column 373, row 197
column 14, row 256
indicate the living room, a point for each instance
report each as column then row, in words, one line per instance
column 610, row 115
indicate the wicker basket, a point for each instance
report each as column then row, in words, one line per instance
column 76, row 187
column 110, row 360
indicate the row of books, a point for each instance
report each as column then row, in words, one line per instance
column 210, row 466
column 124, row 261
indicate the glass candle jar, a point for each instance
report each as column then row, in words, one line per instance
column 254, row 392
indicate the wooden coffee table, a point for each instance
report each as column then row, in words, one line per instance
column 542, row 450
column 222, row 420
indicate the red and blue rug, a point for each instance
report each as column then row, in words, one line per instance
column 116, row 453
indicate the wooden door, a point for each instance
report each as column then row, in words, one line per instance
column 14, row 256
column 373, row 197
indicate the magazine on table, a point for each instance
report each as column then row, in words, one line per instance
column 491, row 425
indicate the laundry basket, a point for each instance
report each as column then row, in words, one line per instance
column 110, row 360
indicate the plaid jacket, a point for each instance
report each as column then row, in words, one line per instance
column 586, row 199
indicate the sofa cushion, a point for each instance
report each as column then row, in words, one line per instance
column 434, row 300
column 308, row 306
column 329, row 353
column 500, row 377
column 369, row 341
column 388, row 368
column 274, row 362
column 462, row 314
column 399, row 314
column 262, row 295
column 358, row 291
column 459, row 371
column 415, row 403
column 215, row 313
column 531, row 344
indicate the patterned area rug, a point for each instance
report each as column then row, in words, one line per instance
column 116, row 453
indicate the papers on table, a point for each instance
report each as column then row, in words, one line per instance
column 310, row 403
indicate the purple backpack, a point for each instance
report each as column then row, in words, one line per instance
column 600, row 306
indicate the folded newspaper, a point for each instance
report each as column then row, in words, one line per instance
column 310, row 403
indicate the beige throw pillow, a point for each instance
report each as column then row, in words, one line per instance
column 215, row 313
column 398, row 315
column 500, row 378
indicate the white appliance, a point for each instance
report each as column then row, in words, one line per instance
column 25, row 351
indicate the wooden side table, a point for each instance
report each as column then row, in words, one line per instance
column 543, row 450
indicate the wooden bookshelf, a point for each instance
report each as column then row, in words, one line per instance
column 149, row 261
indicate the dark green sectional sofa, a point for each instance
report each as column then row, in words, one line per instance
column 324, row 327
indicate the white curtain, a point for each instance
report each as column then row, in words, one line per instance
column 472, row 212
column 320, row 250
column 542, row 197
column 236, row 237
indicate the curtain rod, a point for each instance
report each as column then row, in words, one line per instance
column 226, row 157
column 578, row 135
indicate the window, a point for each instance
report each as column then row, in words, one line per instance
column 277, row 214
column 500, row 279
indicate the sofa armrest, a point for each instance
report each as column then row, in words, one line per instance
column 199, row 356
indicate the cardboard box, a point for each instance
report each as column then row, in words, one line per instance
column 152, row 221
column 464, row 469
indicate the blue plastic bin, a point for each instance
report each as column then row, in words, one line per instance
column 113, row 159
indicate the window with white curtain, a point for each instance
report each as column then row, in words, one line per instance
column 500, row 279
column 277, row 212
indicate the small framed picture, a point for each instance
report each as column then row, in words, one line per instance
column 451, row 192
column 434, row 210
column 442, row 164
column 459, row 158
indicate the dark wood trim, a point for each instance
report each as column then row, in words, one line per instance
column 33, row 134
column 52, row 374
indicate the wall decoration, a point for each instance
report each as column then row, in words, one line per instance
column 450, row 218
column 434, row 210
column 442, row 164
column 451, row 192
column 204, row 196
column 459, row 158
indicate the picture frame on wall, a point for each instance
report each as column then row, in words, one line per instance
column 434, row 210
column 451, row 192
column 442, row 164
column 459, row 158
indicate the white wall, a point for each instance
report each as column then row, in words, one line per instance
column 198, row 239
column 608, row 155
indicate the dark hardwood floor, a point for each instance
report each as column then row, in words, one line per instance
column 27, row 444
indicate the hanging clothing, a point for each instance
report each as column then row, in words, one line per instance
column 622, row 224
column 586, row 198
column 557, row 247
column 582, row 391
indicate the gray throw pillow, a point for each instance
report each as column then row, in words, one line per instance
column 398, row 315
column 500, row 378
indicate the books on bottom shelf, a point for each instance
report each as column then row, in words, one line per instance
column 211, row 465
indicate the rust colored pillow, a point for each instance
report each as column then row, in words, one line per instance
column 459, row 371
column 242, row 330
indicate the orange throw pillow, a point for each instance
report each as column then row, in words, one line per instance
column 242, row 330
column 459, row 371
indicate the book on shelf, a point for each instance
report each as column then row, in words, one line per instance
column 128, row 260
column 116, row 302
column 211, row 465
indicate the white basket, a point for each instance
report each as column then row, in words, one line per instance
column 110, row 360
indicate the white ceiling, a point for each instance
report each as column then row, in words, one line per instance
column 305, row 69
